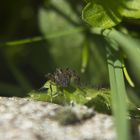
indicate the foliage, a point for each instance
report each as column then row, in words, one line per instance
column 100, row 14
column 100, row 100
column 104, row 50
column 50, row 92
column 108, row 14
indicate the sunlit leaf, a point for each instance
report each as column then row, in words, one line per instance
column 102, row 14
column 131, row 9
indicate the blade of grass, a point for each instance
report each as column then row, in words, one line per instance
column 118, row 94
column 121, row 110
column 85, row 55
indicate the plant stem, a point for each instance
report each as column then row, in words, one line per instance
column 127, row 44
column 41, row 38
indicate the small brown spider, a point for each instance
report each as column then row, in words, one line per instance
column 63, row 77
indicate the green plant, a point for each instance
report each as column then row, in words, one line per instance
column 103, row 15
column 104, row 47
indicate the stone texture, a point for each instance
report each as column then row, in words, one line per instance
column 23, row 119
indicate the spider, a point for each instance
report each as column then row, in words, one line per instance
column 63, row 78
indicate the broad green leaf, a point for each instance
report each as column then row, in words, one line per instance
column 107, row 14
column 61, row 17
column 102, row 14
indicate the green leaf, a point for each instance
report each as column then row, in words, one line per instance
column 107, row 14
column 132, row 9
column 101, row 101
column 61, row 17
column 102, row 14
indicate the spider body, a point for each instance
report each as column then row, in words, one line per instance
column 63, row 77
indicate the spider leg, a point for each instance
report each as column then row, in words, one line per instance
column 65, row 101
column 51, row 92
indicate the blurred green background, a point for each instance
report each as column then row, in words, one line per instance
column 23, row 66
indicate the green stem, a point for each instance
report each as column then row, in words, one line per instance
column 41, row 38
column 127, row 44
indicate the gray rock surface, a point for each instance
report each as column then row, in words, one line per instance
column 23, row 119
